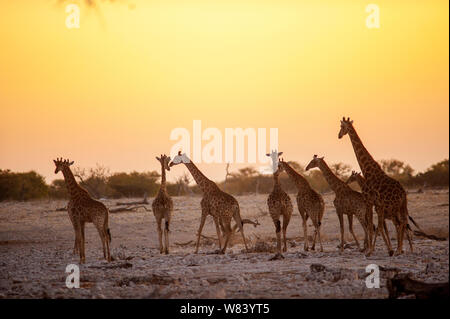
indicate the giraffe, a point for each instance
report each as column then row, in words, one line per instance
column 82, row 208
column 347, row 201
column 220, row 205
column 162, row 206
column 310, row 204
column 389, row 196
column 279, row 205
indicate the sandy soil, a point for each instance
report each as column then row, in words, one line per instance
column 36, row 246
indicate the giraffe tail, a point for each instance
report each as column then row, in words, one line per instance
column 415, row 224
column 421, row 233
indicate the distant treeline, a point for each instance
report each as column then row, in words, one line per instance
column 102, row 184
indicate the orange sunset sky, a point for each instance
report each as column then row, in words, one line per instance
column 111, row 91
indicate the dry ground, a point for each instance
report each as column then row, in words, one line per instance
column 36, row 246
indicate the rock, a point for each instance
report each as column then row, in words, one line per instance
column 432, row 268
column 317, row 268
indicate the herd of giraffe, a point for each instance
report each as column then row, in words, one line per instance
column 378, row 190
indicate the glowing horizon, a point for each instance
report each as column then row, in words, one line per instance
column 112, row 91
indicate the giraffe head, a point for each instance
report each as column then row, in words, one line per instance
column 274, row 155
column 164, row 160
column 180, row 158
column 354, row 177
column 61, row 164
column 314, row 162
column 345, row 125
column 281, row 165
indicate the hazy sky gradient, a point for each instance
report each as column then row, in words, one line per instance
column 112, row 91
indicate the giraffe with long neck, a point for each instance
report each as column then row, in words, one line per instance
column 162, row 206
column 347, row 201
column 220, row 205
column 82, row 208
column 310, row 204
column 389, row 196
column 279, row 204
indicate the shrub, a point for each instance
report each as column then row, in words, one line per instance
column 134, row 184
column 22, row 186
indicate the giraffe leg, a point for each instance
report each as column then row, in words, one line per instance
column 370, row 229
column 409, row 236
column 350, row 228
column 278, row 233
column 400, row 234
column 102, row 234
column 102, row 229
column 199, row 233
column 78, row 237
column 318, row 235
column 387, row 237
column 166, row 235
column 81, row 244
column 106, row 239
column 227, row 229
column 219, row 236
column 341, row 227
column 237, row 219
column 381, row 228
column 365, row 227
column 305, row 230
column 313, row 246
column 286, row 219
column 159, row 229
column 71, row 217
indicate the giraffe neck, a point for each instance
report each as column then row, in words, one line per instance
column 276, row 182
column 163, row 178
column 335, row 183
column 369, row 167
column 71, row 183
column 202, row 181
column 298, row 179
column 361, row 182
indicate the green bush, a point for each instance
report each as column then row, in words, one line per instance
column 22, row 186
column 58, row 189
column 134, row 184
column 436, row 175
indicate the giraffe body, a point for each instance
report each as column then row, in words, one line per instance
column 388, row 195
column 280, row 205
column 162, row 207
column 310, row 204
column 347, row 201
column 220, row 205
column 82, row 209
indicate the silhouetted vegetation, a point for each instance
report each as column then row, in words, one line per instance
column 436, row 175
column 102, row 184
column 22, row 186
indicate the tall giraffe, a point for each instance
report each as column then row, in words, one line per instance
column 279, row 204
column 162, row 206
column 220, row 205
column 389, row 196
column 310, row 204
column 347, row 201
column 82, row 208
